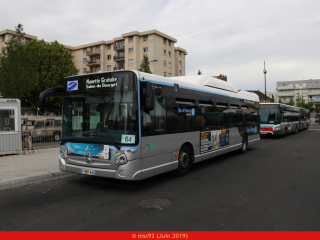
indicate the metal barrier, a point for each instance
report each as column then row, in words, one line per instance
column 45, row 138
column 26, row 142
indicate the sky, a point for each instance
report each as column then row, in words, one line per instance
column 229, row 37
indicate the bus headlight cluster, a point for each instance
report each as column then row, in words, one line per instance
column 121, row 159
column 277, row 128
column 63, row 151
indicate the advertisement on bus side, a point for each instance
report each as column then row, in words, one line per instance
column 213, row 140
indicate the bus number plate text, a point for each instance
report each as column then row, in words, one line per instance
column 87, row 171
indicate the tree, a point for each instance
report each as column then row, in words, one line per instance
column 300, row 102
column 17, row 75
column 145, row 65
column 53, row 63
column 280, row 100
column 272, row 99
column 199, row 72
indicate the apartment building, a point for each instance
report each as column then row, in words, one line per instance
column 309, row 90
column 125, row 53
column 7, row 34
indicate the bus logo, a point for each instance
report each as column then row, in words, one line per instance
column 72, row 85
column 149, row 146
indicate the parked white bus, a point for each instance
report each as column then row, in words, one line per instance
column 132, row 125
column 280, row 119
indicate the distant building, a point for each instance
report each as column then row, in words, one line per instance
column 309, row 90
column 124, row 53
column 275, row 95
column 261, row 95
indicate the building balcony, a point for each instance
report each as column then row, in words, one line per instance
column 93, row 52
column 118, row 47
column 285, row 87
column 281, row 94
column 95, row 62
column 118, row 68
column 118, row 58
column 313, row 100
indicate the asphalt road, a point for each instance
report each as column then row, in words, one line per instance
column 274, row 186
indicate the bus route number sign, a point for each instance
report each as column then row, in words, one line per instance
column 128, row 139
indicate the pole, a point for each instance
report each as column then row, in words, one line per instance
column 265, row 82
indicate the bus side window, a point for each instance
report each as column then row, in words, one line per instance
column 158, row 115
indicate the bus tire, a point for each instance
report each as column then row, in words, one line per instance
column 244, row 145
column 285, row 133
column 184, row 161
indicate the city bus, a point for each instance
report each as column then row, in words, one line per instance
column 281, row 119
column 132, row 125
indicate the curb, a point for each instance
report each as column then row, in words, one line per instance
column 25, row 181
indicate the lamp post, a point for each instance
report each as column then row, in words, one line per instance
column 265, row 82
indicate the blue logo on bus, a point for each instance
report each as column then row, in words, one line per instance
column 72, row 85
column 185, row 110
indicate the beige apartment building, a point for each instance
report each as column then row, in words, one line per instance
column 125, row 53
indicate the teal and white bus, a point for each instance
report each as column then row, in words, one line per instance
column 280, row 119
column 132, row 125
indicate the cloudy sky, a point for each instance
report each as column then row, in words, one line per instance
column 230, row 37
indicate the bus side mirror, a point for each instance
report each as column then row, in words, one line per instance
column 45, row 94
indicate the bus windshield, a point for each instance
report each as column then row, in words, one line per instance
column 270, row 116
column 105, row 117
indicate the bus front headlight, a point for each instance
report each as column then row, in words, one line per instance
column 277, row 128
column 63, row 151
column 121, row 159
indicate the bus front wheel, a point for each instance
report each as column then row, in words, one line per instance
column 185, row 161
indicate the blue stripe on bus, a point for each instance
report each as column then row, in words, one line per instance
column 188, row 88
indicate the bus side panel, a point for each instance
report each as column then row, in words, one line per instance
column 158, row 152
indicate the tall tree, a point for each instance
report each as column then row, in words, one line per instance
column 300, row 102
column 222, row 77
column 53, row 63
column 145, row 65
column 272, row 99
column 17, row 75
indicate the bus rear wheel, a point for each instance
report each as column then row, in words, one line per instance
column 244, row 144
column 185, row 161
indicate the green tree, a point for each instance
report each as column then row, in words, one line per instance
column 280, row 100
column 145, row 65
column 199, row 72
column 53, row 63
column 17, row 75
column 272, row 99
column 300, row 102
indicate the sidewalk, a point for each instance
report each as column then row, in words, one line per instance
column 18, row 170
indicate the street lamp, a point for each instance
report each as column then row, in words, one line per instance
column 265, row 82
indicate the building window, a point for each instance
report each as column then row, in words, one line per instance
column 108, row 46
column 164, row 63
column 84, row 70
column 169, row 53
column 180, row 72
column 28, row 40
column 98, row 47
column 284, row 99
column 310, row 84
column 84, row 50
column 169, row 75
column 164, row 52
column 179, row 53
column 284, row 85
column 98, row 57
column 169, row 42
column 121, row 54
column 164, row 74
column 131, row 62
column 317, row 84
column 145, row 38
column 109, row 68
column 180, row 63
column 130, row 50
column 131, row 39
column 164, row 41
column 120, row 66
column 145, row 49
column 98, row 68
column 108, row 57
column 317, row 98
column 84, row 60
column 169, row 64
column 3, row 38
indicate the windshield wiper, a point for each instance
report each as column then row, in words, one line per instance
column 109, row 139
column 97, row 135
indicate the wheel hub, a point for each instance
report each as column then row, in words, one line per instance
column 184, row 159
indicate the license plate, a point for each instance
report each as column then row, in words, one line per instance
column 263, row 133
column 87, row 171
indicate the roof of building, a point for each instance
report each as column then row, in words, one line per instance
column 261, row 95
